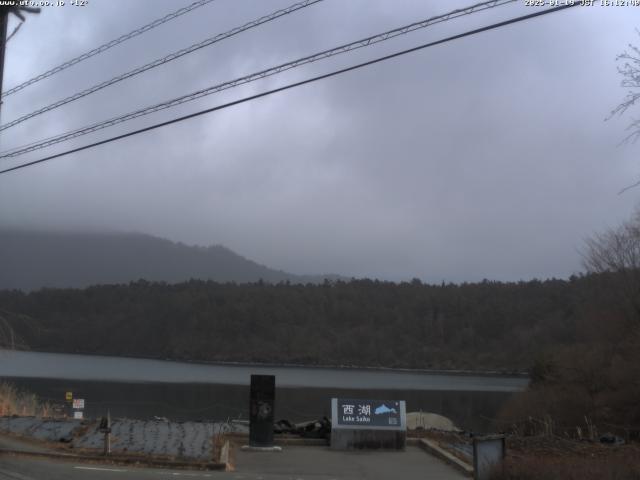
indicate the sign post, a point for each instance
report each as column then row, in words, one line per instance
column 68, row 397
column 78, row 407
column 488, row 456
column 105, row 427
column 358, row 423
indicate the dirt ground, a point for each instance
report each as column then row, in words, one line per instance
column 557, row 458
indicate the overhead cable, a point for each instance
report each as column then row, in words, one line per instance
column 107, row 46
column 365, row 42
column 293, row 85
column 162, row 61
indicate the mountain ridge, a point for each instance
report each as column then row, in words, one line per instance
column 34, row 259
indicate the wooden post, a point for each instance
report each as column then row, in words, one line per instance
column 107, row 436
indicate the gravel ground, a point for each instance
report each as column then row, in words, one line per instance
column 153, row 437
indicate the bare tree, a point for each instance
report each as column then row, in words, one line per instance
column 615, row 250
column 7, row 334
column 9, row 324
column 630, row 71
column 618, row 250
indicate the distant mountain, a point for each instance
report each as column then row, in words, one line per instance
column 30, row 260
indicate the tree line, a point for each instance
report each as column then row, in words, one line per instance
column 485, row 325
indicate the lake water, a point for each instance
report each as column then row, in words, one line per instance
column 141, row 388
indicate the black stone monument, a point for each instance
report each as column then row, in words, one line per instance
column 261, row 410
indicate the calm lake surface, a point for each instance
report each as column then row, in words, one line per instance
column 141, row 388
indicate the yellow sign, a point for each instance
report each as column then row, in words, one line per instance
column 68, row 396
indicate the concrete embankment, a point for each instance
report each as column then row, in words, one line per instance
column 188, row 440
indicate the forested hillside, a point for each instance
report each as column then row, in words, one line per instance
column 32, row 260
column 487, row 325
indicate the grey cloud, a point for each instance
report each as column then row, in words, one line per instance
column 484, row 157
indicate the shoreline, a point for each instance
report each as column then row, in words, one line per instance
column 453, row 372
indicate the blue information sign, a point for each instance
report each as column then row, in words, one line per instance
column 369, row 413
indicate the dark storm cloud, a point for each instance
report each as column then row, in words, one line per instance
column 484, row 157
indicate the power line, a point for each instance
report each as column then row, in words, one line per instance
column 297, row 84
column 107, row 46
column 9, row 151
column 161, row 61
column 365, row 42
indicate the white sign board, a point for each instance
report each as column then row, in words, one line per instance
column 78, row 403
column 77, row 414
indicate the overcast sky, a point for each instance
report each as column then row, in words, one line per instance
column 486, row 157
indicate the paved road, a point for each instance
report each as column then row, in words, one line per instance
column 294, row 463
column 11, row 443
column 28, row 469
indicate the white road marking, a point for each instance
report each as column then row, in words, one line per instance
column 120, row 470
column 13, row 475
column 101, row 469
column 181, row 474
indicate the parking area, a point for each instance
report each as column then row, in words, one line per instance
column 321, row 463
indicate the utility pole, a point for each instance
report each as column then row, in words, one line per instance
column 4, row 21
column 5, row 10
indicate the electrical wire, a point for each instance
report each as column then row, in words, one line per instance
column 365, row 42
column 297, row 84
column 161, row 61
column 107, row 46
